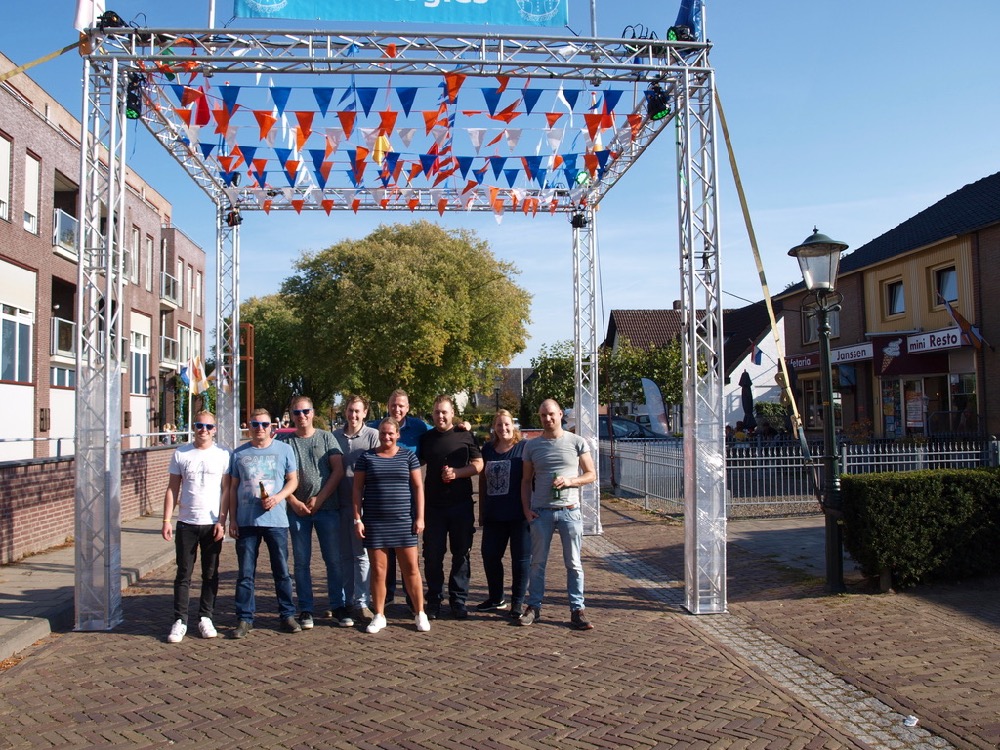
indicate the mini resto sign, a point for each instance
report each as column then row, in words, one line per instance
column 948, row 338
column 473, row 12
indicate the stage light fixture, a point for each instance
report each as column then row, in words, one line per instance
column 657, row 102
column 133, row 96
column 233, row 218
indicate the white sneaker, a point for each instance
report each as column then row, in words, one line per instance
column 177, row 632
column 377, row 624
column 423, row 624
column 206, row 628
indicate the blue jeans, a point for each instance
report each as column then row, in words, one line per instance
column 496, row 535
column 569, row 523
column 452, row 527
column 247, row 550
column 356, row 575
column 327, row 526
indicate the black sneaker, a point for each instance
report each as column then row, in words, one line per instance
column 242, row 629
column 290, row 625
column 529, row 616
column 306, row 621
column 459, row 612
column 489, row 605
column 579, row 620
column 433, row 611
column 515, row 612
column 342, row 618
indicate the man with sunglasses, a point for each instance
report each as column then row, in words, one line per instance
column 264, row 474
column 314, row 506
column 199, row 477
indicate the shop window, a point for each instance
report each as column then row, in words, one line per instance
column 813, row 412
column 945, row 285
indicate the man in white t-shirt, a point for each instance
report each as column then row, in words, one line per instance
column 199, row 473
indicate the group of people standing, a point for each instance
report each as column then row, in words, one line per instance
column 365, row 495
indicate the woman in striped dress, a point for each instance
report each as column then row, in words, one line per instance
column 389, row 514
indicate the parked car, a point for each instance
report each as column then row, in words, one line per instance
column 623, row 428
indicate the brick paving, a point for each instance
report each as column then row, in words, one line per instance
column 648, row 676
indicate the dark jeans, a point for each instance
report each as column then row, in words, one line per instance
column 444, row 528
column 247, row 549
column 496, row 535
column 188, row 539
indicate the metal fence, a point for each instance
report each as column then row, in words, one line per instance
column 771, row 478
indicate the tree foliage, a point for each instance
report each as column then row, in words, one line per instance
column 619, row 375
column 410, row 306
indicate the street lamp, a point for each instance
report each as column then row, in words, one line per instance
column 497, row 383
column 819, row 260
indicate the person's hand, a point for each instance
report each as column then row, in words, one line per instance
column 448, row 474
column 530, row 515
column 359, row 529
column 167, row 531
column 311, row 505
column 560, row 482
column 234, row 530
column 418, row 526
column 219, row 532
column 299, row 508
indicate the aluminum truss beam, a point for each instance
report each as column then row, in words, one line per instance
column 586, row 321
column 227, row 326
column 704, row 369
column 683, row 71
column 99, row 351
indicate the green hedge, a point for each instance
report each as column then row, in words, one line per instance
column 923, row 525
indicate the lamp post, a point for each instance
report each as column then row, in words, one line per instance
column 819, row 260
column 497, row 383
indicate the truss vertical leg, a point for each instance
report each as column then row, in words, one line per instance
column 99, row 351
column 227, row 328
column 585, row 354
column 704, row 370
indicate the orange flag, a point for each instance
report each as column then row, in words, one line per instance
column 265, row 121
column 347, row 122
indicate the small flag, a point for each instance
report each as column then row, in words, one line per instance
column 970, row 333
column 87, row 13
column 196, row 373
column 758, row 355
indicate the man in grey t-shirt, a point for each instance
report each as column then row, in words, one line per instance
column 556, row 465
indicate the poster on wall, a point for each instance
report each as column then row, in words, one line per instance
column 914, row 409
column 471, row 12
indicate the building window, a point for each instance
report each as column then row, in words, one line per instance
column 32, row 180
column 15, row 344
column 945, row 285
column 813, row 413
column 140, row 364
column 62, row 377
column 133, row 266
column 147, row 260
column 895, row 300
column 4, row 179
column 199, row 290
column 810, row 325
column 180, row 283
column 184, row 343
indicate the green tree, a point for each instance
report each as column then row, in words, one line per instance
column 410, row 306
column 280, row 368
column 554, row 376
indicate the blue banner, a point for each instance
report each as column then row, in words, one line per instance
column 472, row 12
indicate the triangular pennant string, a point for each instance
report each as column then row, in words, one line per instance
column 323, row 96
column 406, row 135
column 511, row 175
column 279, row 95
column 305, row 120
column 530, row 98
column 229, row 96
column 406, row 97
column 265, row 121
column 453, row 83
column 552, row 118
column 347, row 122
column 611, row 99
column 366, row 95
column 492, row 98
column 387, row 122
column 513, row 136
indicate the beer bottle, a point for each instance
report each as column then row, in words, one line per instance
column 263, row 492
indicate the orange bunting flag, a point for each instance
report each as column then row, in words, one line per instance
column 267, row 206
column 507, row 113
column 442, row 205
column 327, row 204
column 362, row 154
column 222, row 116
column 347, row 122
column 430, row 119
column 413, row 203
column 184, row 114
column 593, row 123
column 387, row 122
column 297, row 204
column 592, row 164
column 226, row 162
column 635, row 124
column 504, row 80
column 305, row 120
column 265, row 121
column 453, row 83
column 552, row 118
column 390, row 50
column 494, row 191
column 355, row 204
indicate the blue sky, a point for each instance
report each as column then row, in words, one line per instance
column 846, row 114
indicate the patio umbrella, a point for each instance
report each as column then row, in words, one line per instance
column 746, row 398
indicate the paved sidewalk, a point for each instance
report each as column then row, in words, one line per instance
column 787, row 667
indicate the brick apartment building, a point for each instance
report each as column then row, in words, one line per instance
column 163, row 300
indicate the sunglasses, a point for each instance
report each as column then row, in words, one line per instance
column 204, row 426
column 301, row 412
column 260, row 425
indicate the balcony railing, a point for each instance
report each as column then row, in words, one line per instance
column 63, row 338
column 169, row 351
column 169, row 289
column 66, row 232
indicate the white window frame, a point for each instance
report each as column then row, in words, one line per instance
column 139, row 378
column 6, row 148
column 890, row 298
column 21, row 347
column 148, row 261
column 32, row 191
